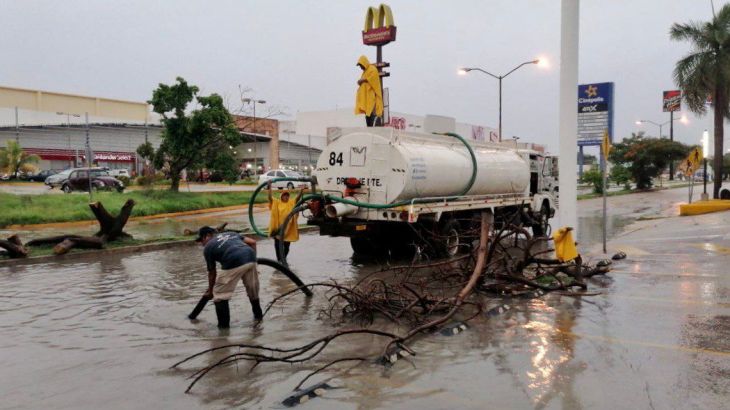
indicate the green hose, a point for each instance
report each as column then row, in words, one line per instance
column 366, row 204
column 256, row 192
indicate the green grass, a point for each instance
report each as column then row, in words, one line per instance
column 631, row 191
column 35, row 209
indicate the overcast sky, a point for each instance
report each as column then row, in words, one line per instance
column 301, row 54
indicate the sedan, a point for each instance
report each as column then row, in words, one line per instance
column 100, row 180
column 42, row 176
column 280, row 173
column 58, row 179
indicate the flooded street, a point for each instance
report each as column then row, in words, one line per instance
column 102, row 332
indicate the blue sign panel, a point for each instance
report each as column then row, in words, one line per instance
column 595, row 113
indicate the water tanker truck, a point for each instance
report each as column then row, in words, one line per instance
column 388, row 189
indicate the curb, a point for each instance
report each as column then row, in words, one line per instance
column 147, row 247
column 133, row 218
column 83, row 253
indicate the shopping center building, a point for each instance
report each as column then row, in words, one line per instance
column 54, row 127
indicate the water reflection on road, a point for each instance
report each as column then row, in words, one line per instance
column 101, row 332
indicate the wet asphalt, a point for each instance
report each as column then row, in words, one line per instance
column 101, row 331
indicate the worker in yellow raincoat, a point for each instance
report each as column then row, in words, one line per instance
column 280, row 209
column 565, row 249
column 369, row 99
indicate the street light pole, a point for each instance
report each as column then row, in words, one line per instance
column 499, row 78
column 68, row 130
column 255, row 139
column 671, row 134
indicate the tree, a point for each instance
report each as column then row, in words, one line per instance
column 13, row 159
column 594, row 177
column 646, row 158
column 204, row 138
column 621, row 175
column 705, row 72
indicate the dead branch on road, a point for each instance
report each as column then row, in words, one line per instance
column 418, row 299
column 14, row 247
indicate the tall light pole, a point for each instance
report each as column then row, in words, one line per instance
column 255, row 140
column 464, row 70
column 568, row 113
column 68, row 128
column 682, row 119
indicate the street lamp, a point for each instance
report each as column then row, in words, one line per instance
column 255, row 139
column 683, row 119
column 705, row 153
column 465, row 70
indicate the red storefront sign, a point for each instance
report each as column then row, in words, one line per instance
column 70, row 155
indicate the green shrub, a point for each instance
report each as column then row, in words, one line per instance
column 595, row 178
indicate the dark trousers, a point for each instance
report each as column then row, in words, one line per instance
column 286, row 249
column 372, row 120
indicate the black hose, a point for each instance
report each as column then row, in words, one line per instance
column 286, row 271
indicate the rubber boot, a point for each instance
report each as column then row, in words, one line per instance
column 223, row 313
column 257, row 313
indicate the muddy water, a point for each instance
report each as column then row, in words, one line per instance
column 101, row 332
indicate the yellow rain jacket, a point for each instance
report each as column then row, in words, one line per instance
column 369, row 95
column 565, row 248
column 279, row 212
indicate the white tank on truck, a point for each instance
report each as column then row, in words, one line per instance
column 395, row 166
column 386, row 188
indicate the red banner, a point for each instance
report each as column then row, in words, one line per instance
column 672, row 100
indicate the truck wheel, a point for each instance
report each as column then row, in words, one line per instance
column 65, row 188
column 364, row 246
column 449, row 243
column 543, row 225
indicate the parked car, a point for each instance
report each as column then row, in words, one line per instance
column 122, row 172
column 281, row 173
column 42, row 176
column 78, row 180
column 59, row 178
column 699, row 175
column 4, row 177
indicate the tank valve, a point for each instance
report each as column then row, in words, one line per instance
column 338, row 209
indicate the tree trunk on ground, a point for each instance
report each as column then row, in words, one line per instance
column 720, row 105
column 111, row 228
column 84, row 242
column 14, row 247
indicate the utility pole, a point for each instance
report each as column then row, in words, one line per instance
column 671, row 138
column 17, row 127
column 88, row 155
column 568, row 113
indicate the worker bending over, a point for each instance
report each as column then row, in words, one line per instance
column 237, row 256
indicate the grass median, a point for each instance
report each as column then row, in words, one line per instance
column 35, row 209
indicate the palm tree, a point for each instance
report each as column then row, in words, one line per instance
column 705, row 72
column 13, row 159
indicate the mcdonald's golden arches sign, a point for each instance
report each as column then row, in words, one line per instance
column 379, row 26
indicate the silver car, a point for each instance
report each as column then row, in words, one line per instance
column 281, row 173
column 58, row 179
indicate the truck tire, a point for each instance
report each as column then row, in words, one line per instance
column 365, row 246
column 450, row 239
column 541, row 228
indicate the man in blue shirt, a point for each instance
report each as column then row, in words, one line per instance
column 237, row 256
